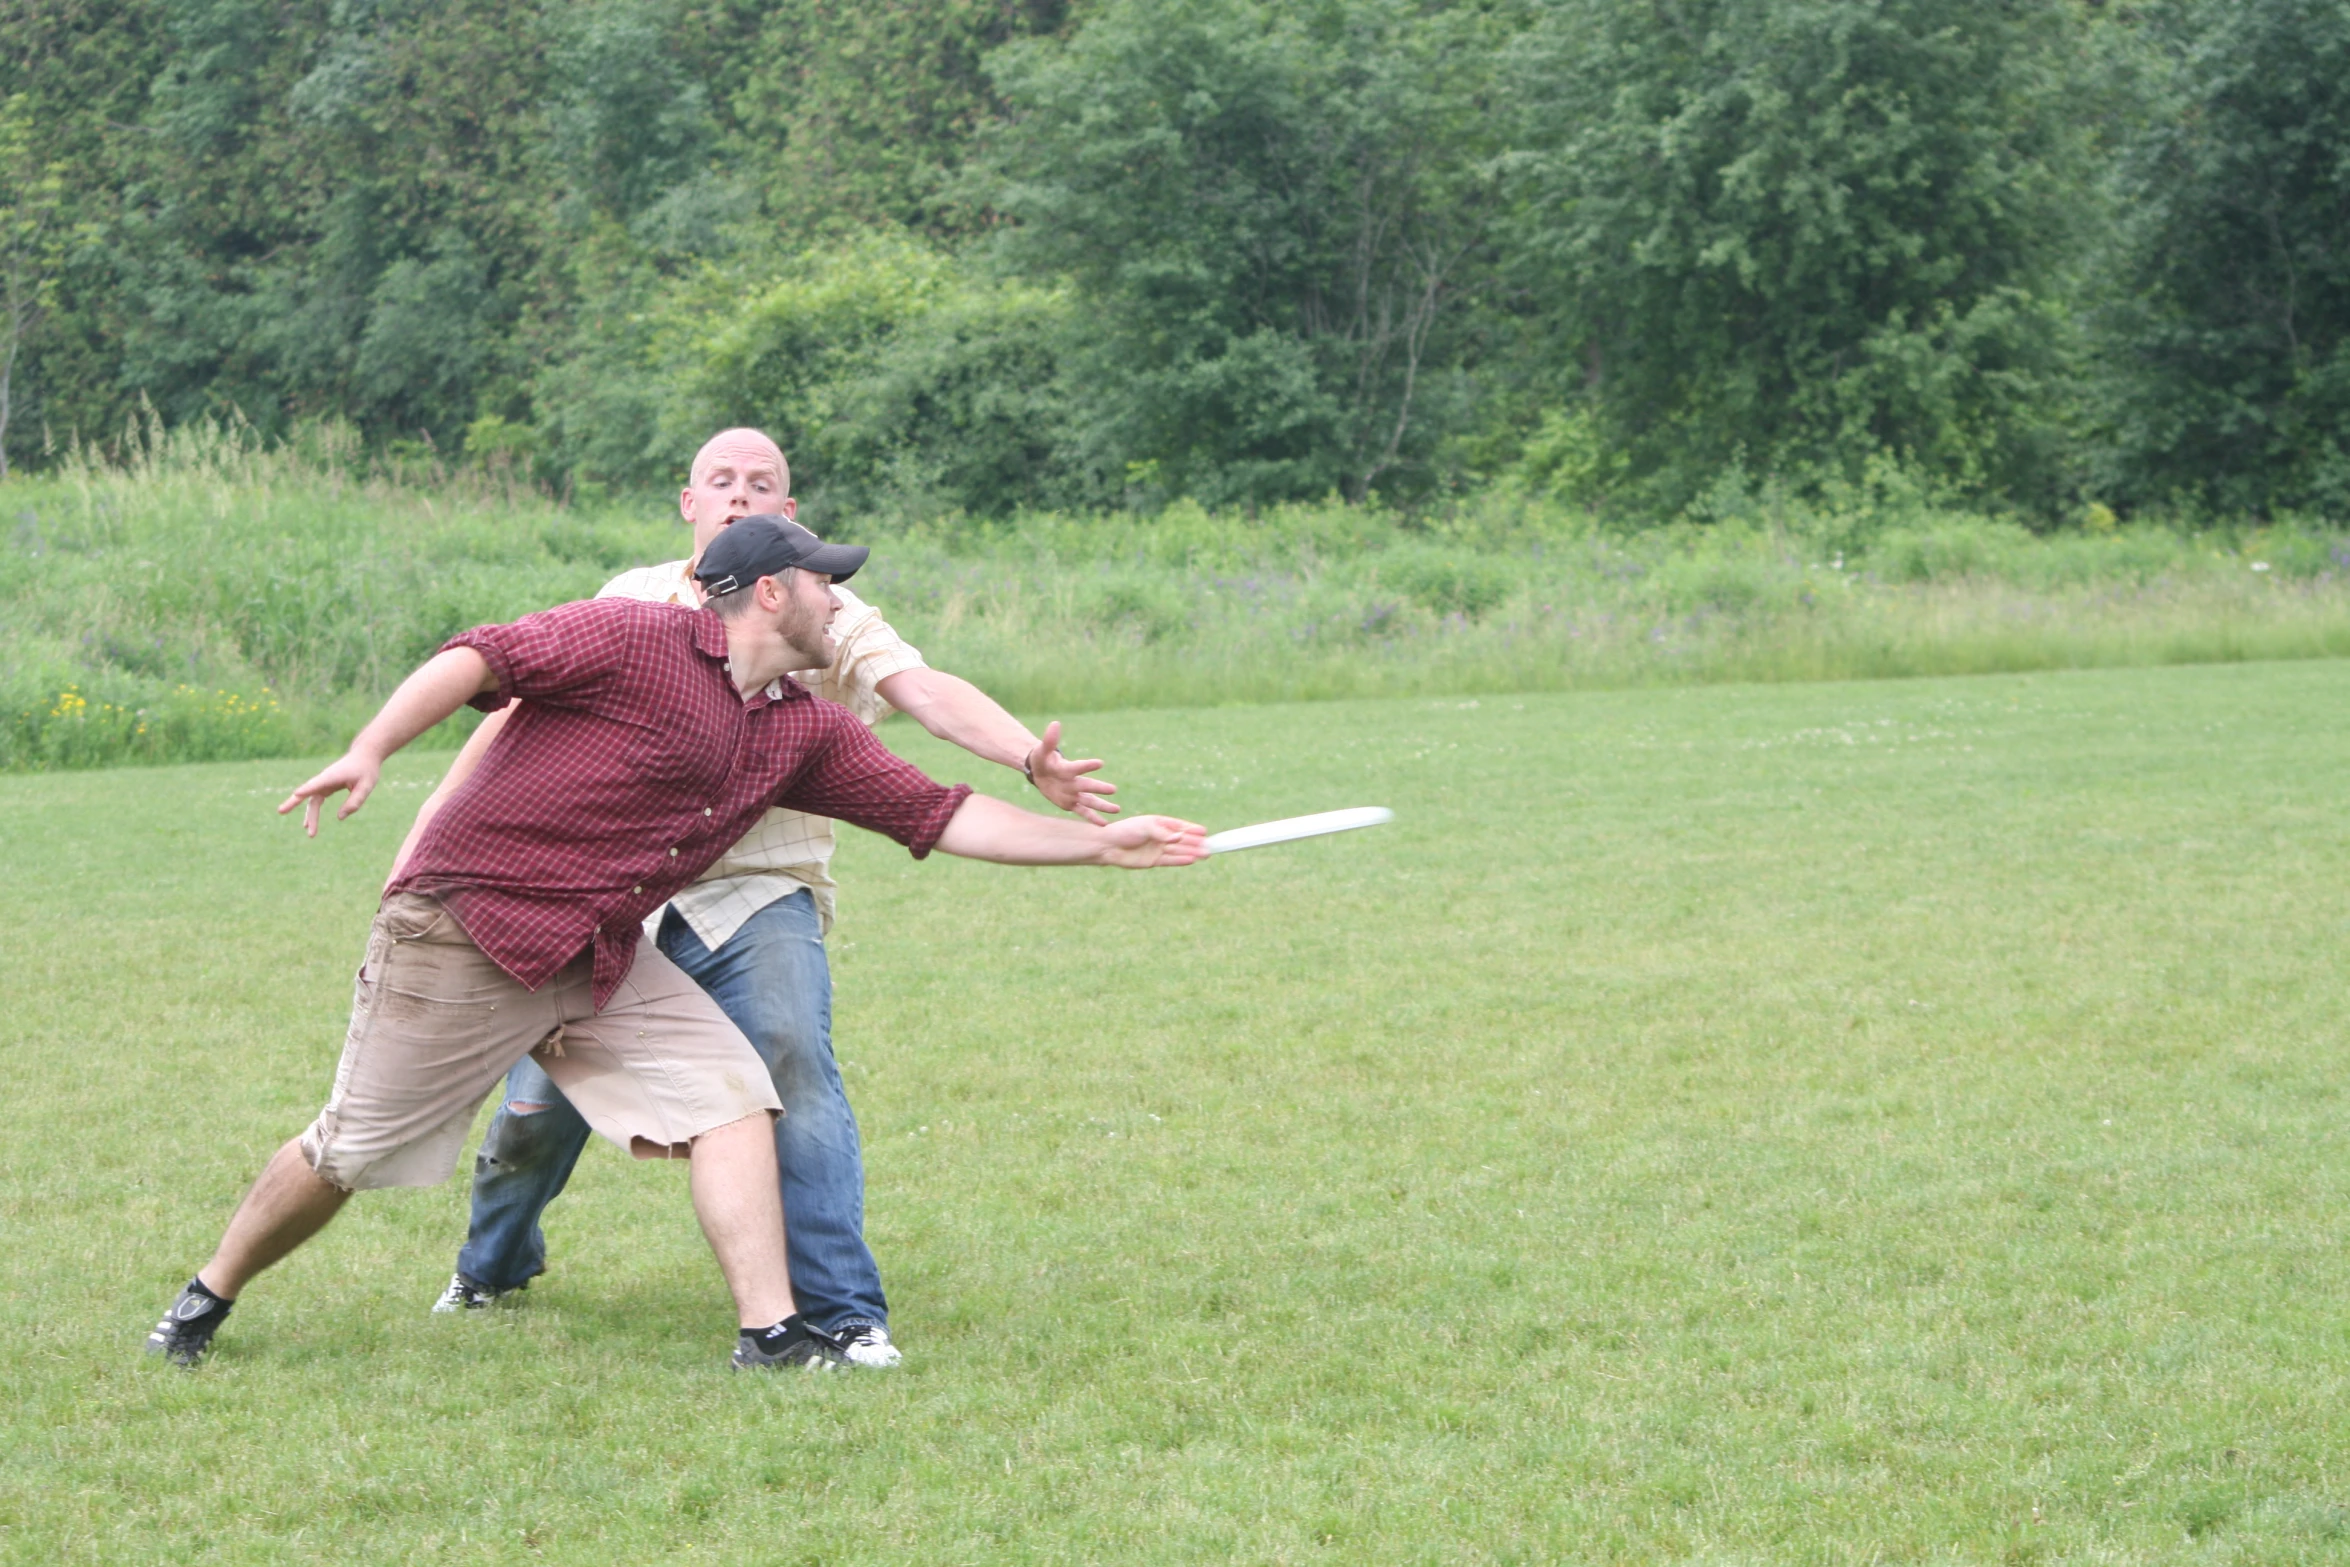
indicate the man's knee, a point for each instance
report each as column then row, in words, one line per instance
column 527, row 1135
column 800, row 1077
column 790, row 1026
column 316, row 1146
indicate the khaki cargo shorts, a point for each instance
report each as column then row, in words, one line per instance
column 435, row 1025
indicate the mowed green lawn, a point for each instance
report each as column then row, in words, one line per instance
column 1820, row 1123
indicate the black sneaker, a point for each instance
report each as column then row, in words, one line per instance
column 465, row 1295
column 186, row 1330
column 792, row 1344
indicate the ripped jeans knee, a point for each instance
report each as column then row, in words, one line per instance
column 531, row 1134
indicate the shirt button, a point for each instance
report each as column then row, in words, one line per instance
column 673, row 854
column 705, row 810
column 636, row 889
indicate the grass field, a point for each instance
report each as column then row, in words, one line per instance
column 1805, row 1123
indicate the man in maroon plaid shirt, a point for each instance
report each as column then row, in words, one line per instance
column 652, row 738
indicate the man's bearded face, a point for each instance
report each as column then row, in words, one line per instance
column 808, row 607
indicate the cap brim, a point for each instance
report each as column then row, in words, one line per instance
column 837, row 561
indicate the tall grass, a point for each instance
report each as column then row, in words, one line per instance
column 1406, row 614
column 208, row 597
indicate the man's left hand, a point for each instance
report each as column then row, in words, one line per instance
column 1064, row 781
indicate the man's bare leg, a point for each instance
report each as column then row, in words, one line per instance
column 287, row 1206
column 741, row 1208
column 735, row 1197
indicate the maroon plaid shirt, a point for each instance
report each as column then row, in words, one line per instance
column 632, row 767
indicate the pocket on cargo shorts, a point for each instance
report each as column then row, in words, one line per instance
column 404, row 917
column 411, row 916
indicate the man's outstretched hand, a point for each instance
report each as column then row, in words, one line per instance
column 438, row 688
column 351, row 771
column 1064, row 782
column 1144, row 842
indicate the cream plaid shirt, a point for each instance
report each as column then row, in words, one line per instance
column 787, row 850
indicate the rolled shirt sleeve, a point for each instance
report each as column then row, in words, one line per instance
column 857, row 779
column 559, row 653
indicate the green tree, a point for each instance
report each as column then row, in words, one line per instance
column 439, row 216
column 963, row 409
column 629, row 121
column 32, row 245
column 331, row 206
column 1796, row 235
column 2228, row 348
column 210, row 239
column 845, row 115
column 892, row 375
column 706, row 148
column 643, row 196
column 1266, row 212
column 81, row 69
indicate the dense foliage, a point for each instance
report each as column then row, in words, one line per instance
column 2232, row 311
column 1804, row 234
column 1644, row 257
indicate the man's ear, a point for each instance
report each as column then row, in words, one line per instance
column 791, row 508
column 685, row 506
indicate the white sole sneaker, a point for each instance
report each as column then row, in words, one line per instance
column 465, row 1295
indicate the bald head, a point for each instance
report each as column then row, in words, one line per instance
column 743, row 448
column 737, row 473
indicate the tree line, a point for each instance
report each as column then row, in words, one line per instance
column 2053, row 258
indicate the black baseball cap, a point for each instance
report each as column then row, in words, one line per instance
column 766, row 545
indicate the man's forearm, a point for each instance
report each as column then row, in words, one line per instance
column 986, row 828
column 959, row 713
column 423, row 700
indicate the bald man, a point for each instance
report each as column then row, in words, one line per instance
column 751, row 933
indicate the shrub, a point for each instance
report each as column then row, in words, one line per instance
column 1446, row 582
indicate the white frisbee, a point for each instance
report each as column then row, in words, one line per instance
column 1297, row 827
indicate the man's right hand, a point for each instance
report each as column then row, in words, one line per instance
column 354, row 771
column 1142, row 843
column 438, row 688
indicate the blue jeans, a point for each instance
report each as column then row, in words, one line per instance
column 771, row 978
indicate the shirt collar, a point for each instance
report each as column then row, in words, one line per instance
column 710, row 633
